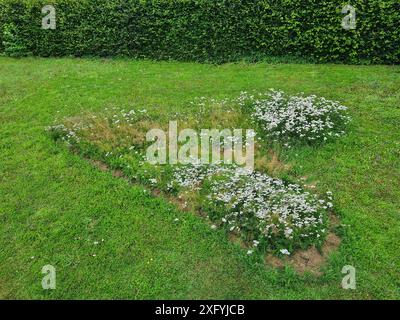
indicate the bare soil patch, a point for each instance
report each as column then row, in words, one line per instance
column 310, row 260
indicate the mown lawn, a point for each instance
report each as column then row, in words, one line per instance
column 54, row 205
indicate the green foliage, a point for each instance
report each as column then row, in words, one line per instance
column 210, row 30
column 12, row 43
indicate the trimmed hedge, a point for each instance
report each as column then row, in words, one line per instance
column 204, row 30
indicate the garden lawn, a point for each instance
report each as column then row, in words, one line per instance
column 110, row 239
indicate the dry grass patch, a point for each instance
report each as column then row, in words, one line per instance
column 270, row 163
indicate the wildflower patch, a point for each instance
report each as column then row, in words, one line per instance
column 268, row 214
column 295, row 119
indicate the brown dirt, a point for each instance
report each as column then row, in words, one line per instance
column 98, row 164
column 334, row 221
column 274, row 261
column 310, row 260
column 103, row 167
column 236, row 239
column 331, row 244
column 118, row 174
column 156, row 192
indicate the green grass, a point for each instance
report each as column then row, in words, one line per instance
column 54, row 204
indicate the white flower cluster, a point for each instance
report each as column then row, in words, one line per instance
column 300, row 118
column 271, row 208
column 193, row 175
column 256, row 206
column 67, row 135
column 118, row 116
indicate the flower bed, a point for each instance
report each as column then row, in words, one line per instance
column 268, row 214
column 265, row 212
column 300, row 119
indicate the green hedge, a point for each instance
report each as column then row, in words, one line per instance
column 204, row 30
